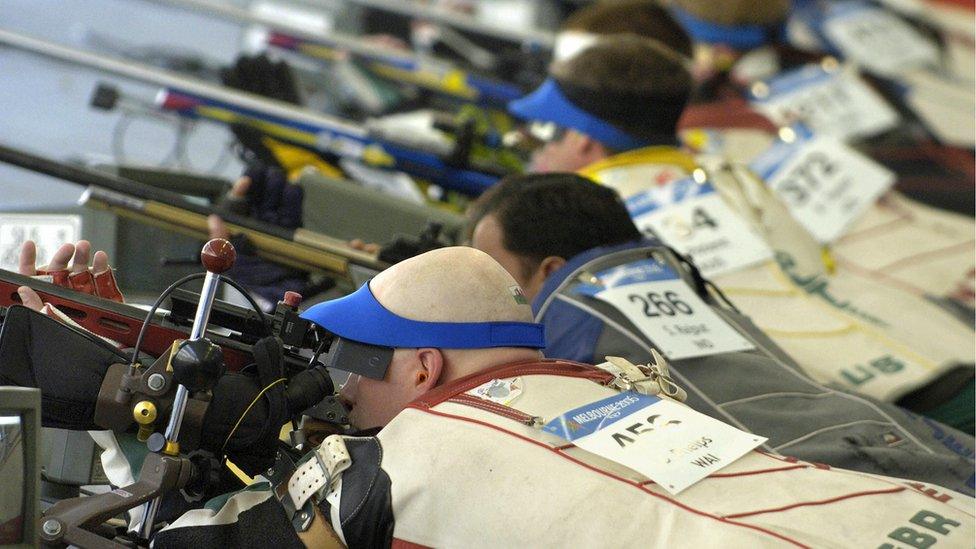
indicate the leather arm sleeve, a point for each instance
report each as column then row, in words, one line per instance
column 365, row 513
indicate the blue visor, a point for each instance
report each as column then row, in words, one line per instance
column 740, row 37
column 549, row 104
column 360, row 317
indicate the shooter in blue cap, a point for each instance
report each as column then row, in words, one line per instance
column 420, row 325
column 621, row 94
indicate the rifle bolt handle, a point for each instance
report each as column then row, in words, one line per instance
column 218, row 255
column 292, row 299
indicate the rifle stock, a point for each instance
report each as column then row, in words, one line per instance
column 299, row 248
column 114, row 320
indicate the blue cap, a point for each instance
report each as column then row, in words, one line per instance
column 360, row 317
column 548, row 103
column 740, row 37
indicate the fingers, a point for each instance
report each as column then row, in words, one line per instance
column 82, row 255
column 363, row 246
column 216, row 227
column 28, row 259
column 30, row 298
column 240, row 187
column 100, row 264
column 61, row 258
column 386, row 41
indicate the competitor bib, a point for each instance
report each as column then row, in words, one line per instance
column 877, row 39
column 945, row 106
column 667, row 442
column 693, row 218
column 825, row 184
column 666, row 310
column 833, row 102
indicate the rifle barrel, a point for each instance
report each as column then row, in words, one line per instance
column 445, row 17
column 328, row 134
column 295, row 247
column 169, row 79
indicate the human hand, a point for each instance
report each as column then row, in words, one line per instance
column 248, row 409
column 69, row 267
column 363, row 246
column 264, row 193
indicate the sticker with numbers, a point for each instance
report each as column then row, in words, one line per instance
column 831, row 102
column 48, row 231
column 877, row 39
column 693, row 218
column 667, row 442
column 825, row 184
column 666, row 310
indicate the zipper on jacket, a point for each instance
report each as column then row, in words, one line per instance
column 498, row 409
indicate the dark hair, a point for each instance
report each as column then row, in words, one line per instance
column 737, row 12
column 554, row 214
column 645, row 18
column 638, row 85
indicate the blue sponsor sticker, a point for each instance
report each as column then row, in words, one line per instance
column 772, row 159
column 643, row 270
column 663, row 196
column 793, row 80
column 586, row 420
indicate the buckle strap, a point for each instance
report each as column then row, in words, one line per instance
column 330, row 459
column 651, row 379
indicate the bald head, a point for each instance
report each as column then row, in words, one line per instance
column 456, row 284
column 446, row 285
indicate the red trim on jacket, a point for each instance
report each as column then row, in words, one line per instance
column 821, row 502
column 403, row 544
column 636, row 485
column 563, row 368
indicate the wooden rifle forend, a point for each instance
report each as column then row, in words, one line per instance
column 299, row 248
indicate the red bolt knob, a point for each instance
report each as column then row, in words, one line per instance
column 293, row 299
column 218, row 255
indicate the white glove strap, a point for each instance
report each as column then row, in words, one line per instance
column 329, row 460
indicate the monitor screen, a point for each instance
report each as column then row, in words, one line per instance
column 13, row 471
column 20, row 474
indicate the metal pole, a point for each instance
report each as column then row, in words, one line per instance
column 339, row 40
column 172, row 433
column 445, row 17
column 170, row 79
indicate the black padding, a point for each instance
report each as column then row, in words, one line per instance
column 66, row 364
column 252, row 446
column 264, row 525
column 366, row 505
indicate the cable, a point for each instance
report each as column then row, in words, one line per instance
column 247, row 295
column 152, row 311
column 122, row 127
column 248, row 409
